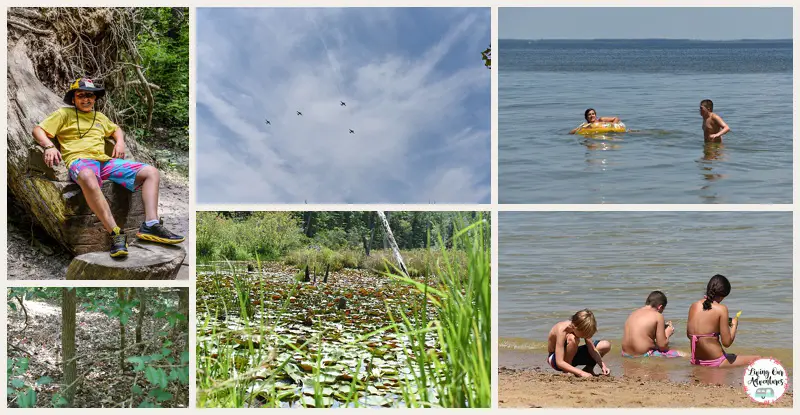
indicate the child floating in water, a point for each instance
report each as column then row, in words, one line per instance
column 713, row 125
column 646, row 334
column 591, row 117
column 564, row 352
column 708, row 327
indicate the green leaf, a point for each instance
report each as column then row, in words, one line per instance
column 138, row 361
column 26, row 399
column 147, row 404
column 12, row 305
column 152, row 376
column 136, row 390
column 160, row 395
column 17, row 383
column 124, row 318
column 162, row 378
column 165, row 351
column 23, row 363
column 9, row 391
column 184, row 357
column 44, row 380
column 59, row 401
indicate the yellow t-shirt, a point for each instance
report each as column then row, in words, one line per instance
column 64, row 125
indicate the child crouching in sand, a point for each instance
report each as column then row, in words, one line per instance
column 646, row 334
column 564, row 352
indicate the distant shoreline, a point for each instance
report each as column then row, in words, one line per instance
column 650, row 40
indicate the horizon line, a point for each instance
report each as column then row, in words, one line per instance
column 652, row 38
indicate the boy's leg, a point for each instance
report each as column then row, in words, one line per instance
column 89, row 181
column 603, row 347
column 148, row 179
column 132, row 175
column 87, row 174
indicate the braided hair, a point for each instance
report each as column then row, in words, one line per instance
column 718, row 285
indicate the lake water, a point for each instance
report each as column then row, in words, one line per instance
column 552, row 264
column 655, row 87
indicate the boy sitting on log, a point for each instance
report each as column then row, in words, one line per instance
column 81, row 132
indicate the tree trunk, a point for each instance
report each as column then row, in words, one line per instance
column 385, row 235
column 183, row 307
column 392, row 242
column 121, row 299
column 68, row 342
column 140, row 317
column 309, row 219
column 146, row 261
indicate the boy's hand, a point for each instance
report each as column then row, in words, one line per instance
column 670, row 330
column 119, row 150
column 585, row 374
column 606, row 370
column 51, row 157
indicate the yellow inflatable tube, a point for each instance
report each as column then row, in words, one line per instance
column 601, row 128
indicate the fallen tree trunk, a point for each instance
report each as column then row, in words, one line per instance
column 55, row 203
column 393, row 243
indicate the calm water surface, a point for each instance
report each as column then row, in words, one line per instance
column 552, row 264
column 655, row 88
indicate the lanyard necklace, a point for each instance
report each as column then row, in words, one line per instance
column 78, row 121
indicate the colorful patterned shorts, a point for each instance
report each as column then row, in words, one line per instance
column 117, row 170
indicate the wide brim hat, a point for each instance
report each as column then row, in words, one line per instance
column 83, row 84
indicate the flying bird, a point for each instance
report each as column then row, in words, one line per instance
column 352, row 132
column 343, row 104
column 299, row 113
column 267, row 121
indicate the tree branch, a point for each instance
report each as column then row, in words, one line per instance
column 30, row 28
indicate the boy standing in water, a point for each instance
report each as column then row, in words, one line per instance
column 713, row 125
column 563, row 350
column 645, row 333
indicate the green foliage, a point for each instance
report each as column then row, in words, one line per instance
column 163, row 43
column 23, row 394
column 162, row 369
column 268, row 235
column 303, row 237
column 486, row 55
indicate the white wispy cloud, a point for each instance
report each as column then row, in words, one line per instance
column 419, row 106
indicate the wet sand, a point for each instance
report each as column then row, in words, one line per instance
column 539, row 388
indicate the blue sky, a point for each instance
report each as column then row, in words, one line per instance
column 706, row 23
column 417, row 95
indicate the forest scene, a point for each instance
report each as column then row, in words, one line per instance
column 140, row 56
column 343, row 309
column 97, row 347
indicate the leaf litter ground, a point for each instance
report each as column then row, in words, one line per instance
column 97, row 347
column 323, row 320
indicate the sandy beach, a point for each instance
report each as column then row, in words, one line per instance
column 538, row 388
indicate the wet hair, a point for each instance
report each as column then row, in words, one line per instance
column 718, row 285
column 586, row 113
column 707, row 104
column 584, row 322
column 655, row 299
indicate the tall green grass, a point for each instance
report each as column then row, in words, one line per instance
column 461, row 297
